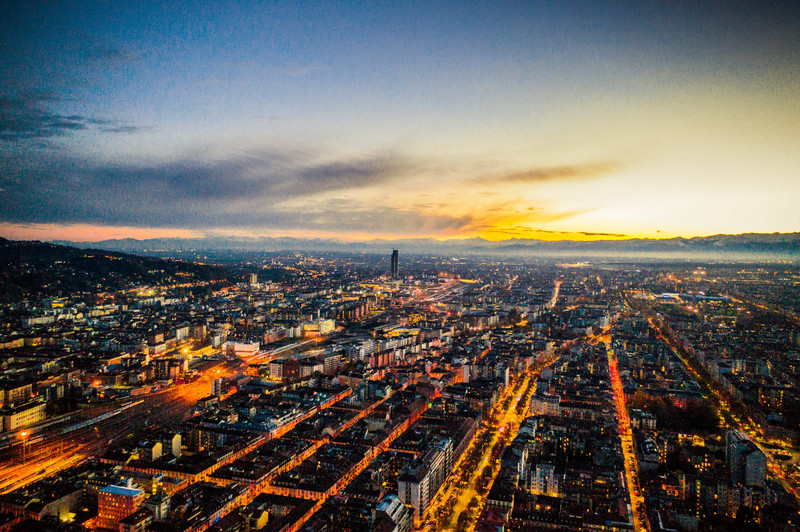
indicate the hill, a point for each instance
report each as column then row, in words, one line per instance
column 39, row 269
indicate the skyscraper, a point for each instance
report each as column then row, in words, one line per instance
column 394, row 264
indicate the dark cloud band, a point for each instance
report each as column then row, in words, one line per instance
column 240, row 190
column 27, row 117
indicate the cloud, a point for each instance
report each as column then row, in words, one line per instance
column 550, row 173
column 374, row 220
column 238, row 190
column 518, row 222
column 583, row 233
column 586, row 233
column 27, row 117
column 355, row 173
column 267, row 188
column 125, row 129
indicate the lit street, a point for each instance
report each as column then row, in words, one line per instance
column 638, row 509
column 501, row 426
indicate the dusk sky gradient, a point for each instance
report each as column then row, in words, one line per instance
column 358, row 120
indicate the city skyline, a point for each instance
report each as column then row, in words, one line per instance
column 357, row 122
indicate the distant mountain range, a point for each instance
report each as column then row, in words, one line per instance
column 749, row 246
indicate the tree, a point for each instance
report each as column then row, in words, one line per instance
column 463, row 521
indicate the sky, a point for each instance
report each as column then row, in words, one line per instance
column 360, row 120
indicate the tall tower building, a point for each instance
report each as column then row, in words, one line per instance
column 394, row 264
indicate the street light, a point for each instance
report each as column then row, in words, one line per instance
column 24, row 435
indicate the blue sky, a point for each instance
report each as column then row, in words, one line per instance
column 353, row 120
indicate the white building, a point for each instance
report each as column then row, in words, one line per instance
column 398, row 512
column 420, row 480
column 240, row 349
column 23, row 415
column 748, row 464
column 319, row 328
column 546, row 404
column 544, row 481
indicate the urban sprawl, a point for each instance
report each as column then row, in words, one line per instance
column 334, row 392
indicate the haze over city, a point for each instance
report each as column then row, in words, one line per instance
column 542, row 120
